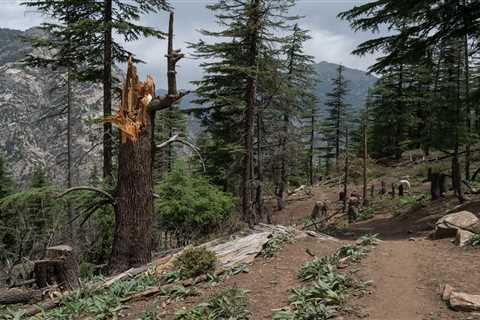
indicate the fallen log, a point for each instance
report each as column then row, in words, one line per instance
column 15, row 295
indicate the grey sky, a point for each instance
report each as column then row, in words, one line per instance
column 332, row 41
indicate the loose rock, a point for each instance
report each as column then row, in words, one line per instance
column 460, row 301
column 448, row 225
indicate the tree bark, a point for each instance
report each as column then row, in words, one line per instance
column 132, row 242
column 435, row 186
column 346, row 172
column 365, row 157
column 107, row 91
column 259, row 191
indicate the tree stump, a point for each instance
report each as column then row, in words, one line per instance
column 59, row 268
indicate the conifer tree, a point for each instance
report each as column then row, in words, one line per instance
column 230, row 86
column 337, row 109
column 299, row 77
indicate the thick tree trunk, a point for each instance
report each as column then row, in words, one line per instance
column 312, row 146
column 259, row 191
column 70, row 212
column 468, row 153
column 107, row 91
column 250, row 112
column 132, row 242
column 282, row 182
column 435, row 186
column 346, row 171
column 365, row 158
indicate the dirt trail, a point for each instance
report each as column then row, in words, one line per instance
column 393, row 269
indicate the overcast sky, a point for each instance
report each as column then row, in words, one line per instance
column 332, row 41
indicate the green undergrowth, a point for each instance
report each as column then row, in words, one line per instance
column 100, row 303
column 475, row 242
column 230, row 304
column 327, row 288
column 276, row 243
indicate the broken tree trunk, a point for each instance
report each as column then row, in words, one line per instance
column 60, row 268
column 132, row 243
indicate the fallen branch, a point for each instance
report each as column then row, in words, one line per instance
column 14, row 296
column 315, row 223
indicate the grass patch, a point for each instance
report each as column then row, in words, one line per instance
column 229, row 304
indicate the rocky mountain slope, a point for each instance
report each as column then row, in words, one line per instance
column 32, row 132
column 31, row 138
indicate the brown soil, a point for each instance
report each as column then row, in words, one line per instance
column 406, row 268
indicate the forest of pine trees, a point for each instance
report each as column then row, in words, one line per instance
column 265, row 132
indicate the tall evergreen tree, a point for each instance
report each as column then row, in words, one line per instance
column 230, row 85
column 299, row 81
column 337, row 109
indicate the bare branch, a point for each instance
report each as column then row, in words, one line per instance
column 162, row 103
column 86, row 188
column 176, row 138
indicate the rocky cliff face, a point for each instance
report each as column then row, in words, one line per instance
column 33, row 120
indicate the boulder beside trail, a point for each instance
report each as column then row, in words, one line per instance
column 449, row 225
column 460, row 301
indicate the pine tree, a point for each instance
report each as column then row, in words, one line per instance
column 337, row 109
column 299, row 81
column 230, row 86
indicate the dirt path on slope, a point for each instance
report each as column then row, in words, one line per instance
column 393, row 268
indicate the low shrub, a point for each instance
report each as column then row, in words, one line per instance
column 475, row 242
column 193, row 262
column 190, row 206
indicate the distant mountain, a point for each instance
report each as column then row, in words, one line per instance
column 358, row 83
